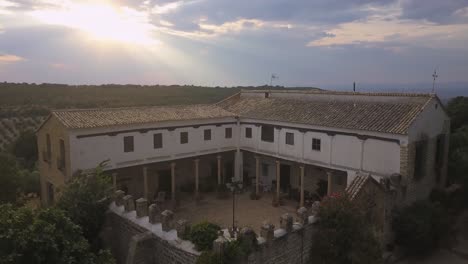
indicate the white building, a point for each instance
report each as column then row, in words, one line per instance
column 308, row 141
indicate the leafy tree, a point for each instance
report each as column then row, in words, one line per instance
column 343, row 234
column 458, row 156
column 203, row 234
column 85, row 200
column 45, row 236
column 9, row 181
column 457, row 108
column 25, row 148
column 419, row 227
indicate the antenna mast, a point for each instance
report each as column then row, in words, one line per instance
column 434, row 76
column 273, row 76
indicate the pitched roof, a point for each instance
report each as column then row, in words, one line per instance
column 89, row 118
column 358, row 183
column 361, row 111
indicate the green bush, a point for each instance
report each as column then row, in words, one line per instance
column 43, row 236
column 343, row 234
column 203, row 234
column 419, row 227
column 209, row 257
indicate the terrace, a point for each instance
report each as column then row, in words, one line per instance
column 248, row 213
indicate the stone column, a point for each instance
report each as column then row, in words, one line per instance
column 301, row 203
column 114, row 181
column 238, row 163
column 145, row 183
column 257, row 174
column 156, row 182
column 196, row 162
column 173, row 181
column 219, row 168
column 278, row 179
column 330, row 183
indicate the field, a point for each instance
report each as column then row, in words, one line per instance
column 24, row 106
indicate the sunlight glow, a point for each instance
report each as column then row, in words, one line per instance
column 102, row 22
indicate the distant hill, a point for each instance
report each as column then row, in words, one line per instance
column 24, row 106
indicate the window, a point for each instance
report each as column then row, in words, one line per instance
column 228, row 132
column 183, row 137
column 48, row 153
column 316, row 144
column 157, row 141
column 420, row 159
column 207, row 134
column 289, row 138
column 248, row 132
column 439, row 156
column 268, row 133
column 128, row 144
column 264, row 169
column 61, row 159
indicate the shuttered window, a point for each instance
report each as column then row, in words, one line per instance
column 289, row 138
column 157, row 140
column 316, row 144
column 128, row 144
column 228, row 132
column 248, row 132
column 183, row 137
column 268, row 133
column 207, row 134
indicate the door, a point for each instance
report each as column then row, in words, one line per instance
column 285, row 180
column 165, row 181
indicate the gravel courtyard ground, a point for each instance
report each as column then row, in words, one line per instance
column 249, row 213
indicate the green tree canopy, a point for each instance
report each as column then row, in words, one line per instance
column 25, row 148
column 457, row 109
column 45, row 236
column 85, row 199
column 343, row 234
column 9, row 179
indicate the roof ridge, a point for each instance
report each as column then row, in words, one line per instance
column 127, row 107
column 344, row 93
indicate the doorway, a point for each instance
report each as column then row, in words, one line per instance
column 285, row 180
column 164, row 181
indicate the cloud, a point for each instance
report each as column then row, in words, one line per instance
column 438, row 11
column 391, row 28
column 9, row 58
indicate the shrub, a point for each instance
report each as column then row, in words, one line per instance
column 203, row 234
column 419, row 227
column 343, row 234
column 43, row 236
column 85, row 200
column 209, row 257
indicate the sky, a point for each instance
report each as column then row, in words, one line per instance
column 319, row 43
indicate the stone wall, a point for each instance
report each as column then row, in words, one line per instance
column 285, row 247
column 145, row 235
column 148, row 236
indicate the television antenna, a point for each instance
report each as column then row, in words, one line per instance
column 434, row 76
column 273, row 76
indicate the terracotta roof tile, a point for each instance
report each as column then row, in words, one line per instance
column 89, row 118
column 392, row 116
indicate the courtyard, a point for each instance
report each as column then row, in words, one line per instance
column 248, row 213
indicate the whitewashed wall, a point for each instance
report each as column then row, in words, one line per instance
column 338, row 151
column 87, row 152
